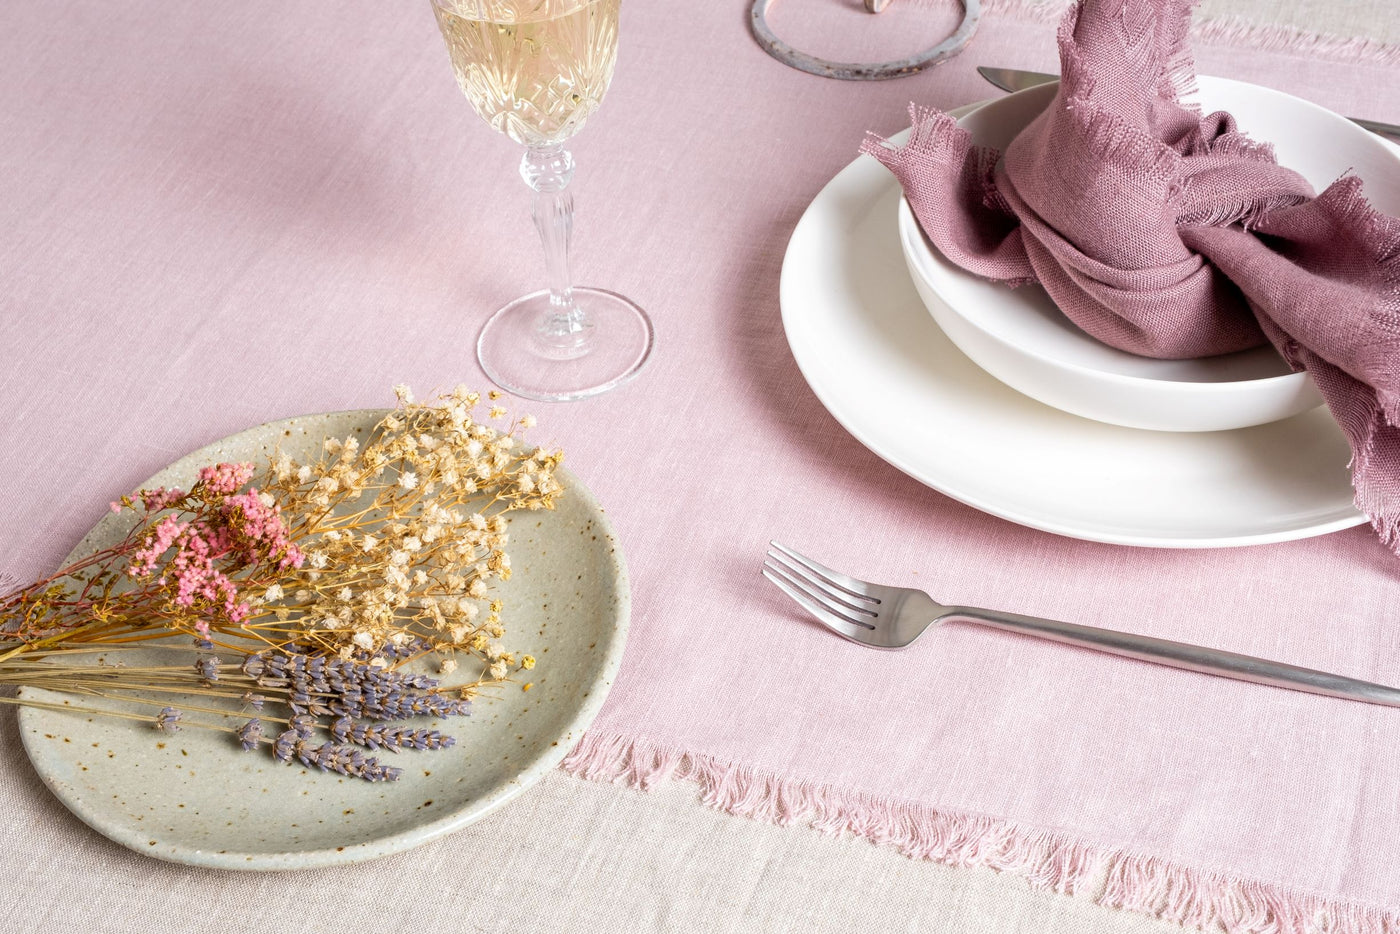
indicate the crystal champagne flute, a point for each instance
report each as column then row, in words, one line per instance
column 535, row 70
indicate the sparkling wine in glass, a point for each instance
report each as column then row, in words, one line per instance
column 535, row 70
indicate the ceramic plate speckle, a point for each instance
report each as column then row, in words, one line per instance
column 194, row 797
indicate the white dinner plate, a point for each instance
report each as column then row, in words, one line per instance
column 194, row 797
column 880, row 365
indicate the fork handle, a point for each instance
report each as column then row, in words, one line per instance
column 1182, row 655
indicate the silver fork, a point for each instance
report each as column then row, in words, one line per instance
column 892, row 617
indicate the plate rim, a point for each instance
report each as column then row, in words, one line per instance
column 849, row 419
column 594, row 693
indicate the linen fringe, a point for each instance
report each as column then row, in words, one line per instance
column 1133, row 882
column 1232, row 31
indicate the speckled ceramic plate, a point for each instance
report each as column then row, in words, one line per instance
column 194, row 797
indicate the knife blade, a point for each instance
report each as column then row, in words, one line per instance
column 1013, row 79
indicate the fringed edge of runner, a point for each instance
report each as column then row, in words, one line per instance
column 1237, row 32
column 1234, row 31
column 1142, row 884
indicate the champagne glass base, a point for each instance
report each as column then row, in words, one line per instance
column 522, row 359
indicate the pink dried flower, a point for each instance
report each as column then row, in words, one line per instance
column 157, row 542
column 259, row 530
column 160, row 498
column 196, row 576
column 191, row 576
column 224, row 479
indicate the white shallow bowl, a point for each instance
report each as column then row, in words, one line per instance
column 1021, row 337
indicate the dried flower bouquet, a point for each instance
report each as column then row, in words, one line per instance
column 315, row 583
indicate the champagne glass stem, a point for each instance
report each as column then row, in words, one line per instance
column 563, row 330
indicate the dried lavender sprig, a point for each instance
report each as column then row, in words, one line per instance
column 319, row 672
column 208, row 668
column 371, row 703
column 317, row 687
column 250, row 734
column 171, row 719
column 345, row 760
column 111, row 712
column 321, row 686
column 384, row 736
column 328, row 757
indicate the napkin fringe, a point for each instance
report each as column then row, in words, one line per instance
column 1370, row 419
column 1244, row 146
column 1247, row 210
column 1172, row 52
column 1169, row 56
column 935, row 139
column 937, row 143
column 1377, row 237
column 1179, row 62
column 1110, row 138
column 1112, row 877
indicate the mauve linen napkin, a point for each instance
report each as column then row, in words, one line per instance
column 1168, row 234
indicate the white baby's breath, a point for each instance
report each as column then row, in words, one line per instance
column 404, row 530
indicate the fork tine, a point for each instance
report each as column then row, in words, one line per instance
column 852, row 586
column 838, row 600
column 814, row 592
column 824, row 616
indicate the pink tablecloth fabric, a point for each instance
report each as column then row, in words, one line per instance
column 215, row 216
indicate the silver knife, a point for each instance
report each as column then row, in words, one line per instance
column 1011, row 79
